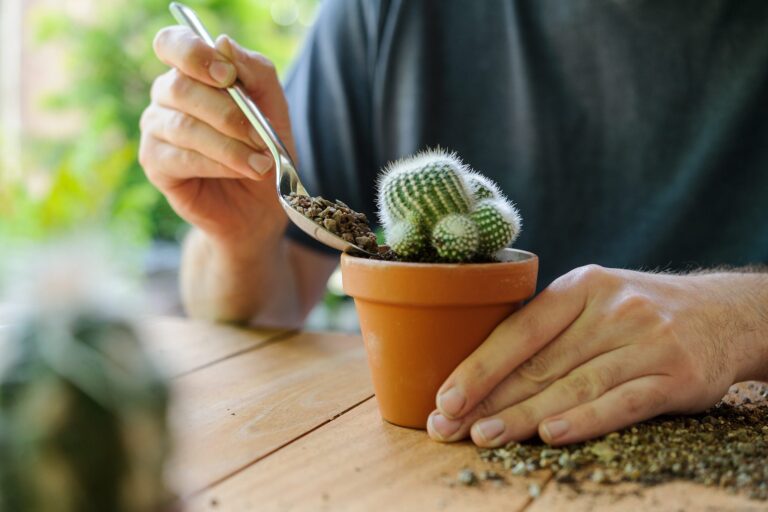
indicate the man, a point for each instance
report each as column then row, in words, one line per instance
column 630, row 133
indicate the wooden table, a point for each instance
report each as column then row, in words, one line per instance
column 287, row 421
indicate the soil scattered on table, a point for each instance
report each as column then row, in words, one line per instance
column 336, row 217
column 726, row 447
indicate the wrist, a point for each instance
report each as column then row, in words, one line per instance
column 241, row 248
column 737, row 317
column 223, row 279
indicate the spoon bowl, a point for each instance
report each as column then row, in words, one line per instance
column 286, row 176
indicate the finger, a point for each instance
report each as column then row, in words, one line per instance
column 629, row 403
column 180, row 48
column 187, row 132
column 583, row 340
column 167, row 165
column 520, row 416
column 177, row 91
column 582, row 385
column 579, row 343
column 597, row 331
column 513, row 341
column 259, row 77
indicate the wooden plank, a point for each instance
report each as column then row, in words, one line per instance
column 359, row 462
column 228, row 415
column 182, row 345
column 672, row 497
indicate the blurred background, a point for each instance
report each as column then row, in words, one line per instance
column 74, row 79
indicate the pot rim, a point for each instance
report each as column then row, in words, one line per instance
column 526, row 256
column 441, row 284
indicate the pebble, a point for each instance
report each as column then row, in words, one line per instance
column 726, row 446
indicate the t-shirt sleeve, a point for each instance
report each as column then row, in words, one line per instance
column 328, row 91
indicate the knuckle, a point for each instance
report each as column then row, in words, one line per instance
column 233, row 116
column 147, row 160
column 147, row 152
column 180, row 86
column 179, row 122
column 231, row 150
column 598, row 278
column 589, row 415
column 264, row 62
column 665, row 331
column 530, row 327
column 587, row 276
column 606, row 377
column 194, row 53
column 536, row 370
column 477, row 371
column 161, row 39
column 144, row 119
column 590, row 273
column 161, row 83
column 145, row 156
column 581, row 386
column 184, row 159
column 657, row 399
column 648, row 401
column 526, row 413
column 486, row 407
column 634, row 305
column 633, row 401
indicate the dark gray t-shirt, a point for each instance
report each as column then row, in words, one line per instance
column 630, row 133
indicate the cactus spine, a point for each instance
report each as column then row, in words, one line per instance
column 434, row 200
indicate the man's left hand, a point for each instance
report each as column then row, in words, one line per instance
column 601, row 349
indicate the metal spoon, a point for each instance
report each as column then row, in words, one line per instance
column 285, row 170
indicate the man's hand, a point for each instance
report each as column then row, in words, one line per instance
column 601, row 349
column 198, row 148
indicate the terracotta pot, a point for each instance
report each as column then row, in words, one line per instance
column 420, row 320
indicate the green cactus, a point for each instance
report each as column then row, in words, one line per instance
column 433, row 201
column 82, row 417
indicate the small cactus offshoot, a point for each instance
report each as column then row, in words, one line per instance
column 433, row 202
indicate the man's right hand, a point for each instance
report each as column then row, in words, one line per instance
column 199, row 150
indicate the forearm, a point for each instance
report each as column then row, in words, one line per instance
column 255, row 282
column 737, row 319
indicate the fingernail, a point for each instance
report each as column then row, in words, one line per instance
column 222, row 72
column 489, row 429
column 260, row 163
column 451, row 402
column 444, row 427
column 556, row 428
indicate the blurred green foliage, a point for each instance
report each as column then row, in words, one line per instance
column 94, row 179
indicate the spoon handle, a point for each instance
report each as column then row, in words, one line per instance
column 189, row 18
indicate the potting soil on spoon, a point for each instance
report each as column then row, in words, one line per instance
column 336, row 217
column 352, row 226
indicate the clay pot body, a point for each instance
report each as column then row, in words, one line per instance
column 420, row 320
